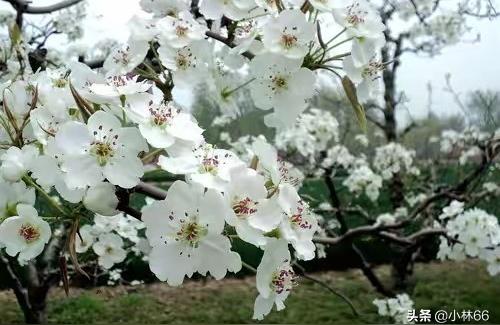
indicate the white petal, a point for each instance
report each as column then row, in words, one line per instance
column 267, row 217
column 101, row 199
column 179, row 165
column 168, row 264
column 102, row 121
column 262, row 307
column 124, row 171
column 216, row 256
column 82, row 171
column 73, row 138
column 212, row 211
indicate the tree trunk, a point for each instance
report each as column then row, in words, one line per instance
column 402, row 266
column 38, row 316
column 402, row 269
column 30, row 296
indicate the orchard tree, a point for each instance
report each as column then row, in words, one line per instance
column 423, row 27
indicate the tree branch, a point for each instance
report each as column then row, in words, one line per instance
column 151, row 191
column 370, row 274
column 25, row 7
column 16, row 285
column 228, row 42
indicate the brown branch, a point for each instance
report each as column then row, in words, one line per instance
column 228, row 42
column 151, row 191
column 334, row 198
column 25, row 6
column 370, row 274
column 16, row 285
column 362, row 263
column 414, row 238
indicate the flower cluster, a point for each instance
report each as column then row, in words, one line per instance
column 396, row 308
column 473, row 233
column 361, row 179
column 111, row 237
column 464, row 143
column 392, row 159
column 311, row 134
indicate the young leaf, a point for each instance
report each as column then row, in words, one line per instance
column 350, row 91
column 15, row 34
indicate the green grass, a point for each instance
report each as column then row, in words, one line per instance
column 438, row 286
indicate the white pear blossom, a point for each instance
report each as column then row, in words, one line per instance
column 128, row 228
column 101, row 149
column 106, row 224
column 124, row 58
column 452, row 210
column 84, row 239
column 288, row 34
column 82, row 77
column 251, row 213
column 184, row 231
column 46, row 170
column 142, row 29
column 364, row 49
column 367, row 77
column 16, row 162
column 25, row 234
column 360, row 19
column 476, row 232
column 232, row 9
column 162, row 124
column 204, row 165
column 276, row 171
column 109, row 248
column 101, row 199
column 180, row 31
column 188, row 64
column 282, row 84
column 393, row 158
column 45, row 124
column 339, row 156
column 299, row 223
column 364, row 179
column 12, row 195
column 275, row 278
column 17, row 97
column 162, row 8
column 115, row 89
column 391, row 218
column 311, row 134
column 53, row 90
column 492, row 258
column 396, row 308
column 491, row 187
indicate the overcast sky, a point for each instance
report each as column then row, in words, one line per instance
column 472, row 66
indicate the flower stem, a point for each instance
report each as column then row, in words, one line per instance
column 230, row 92
column 47, row 197
column 249, row 267
column 151, row 154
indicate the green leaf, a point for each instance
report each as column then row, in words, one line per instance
column 15, row 34
column 350, row 91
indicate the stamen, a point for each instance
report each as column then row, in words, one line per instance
column 29, row 233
